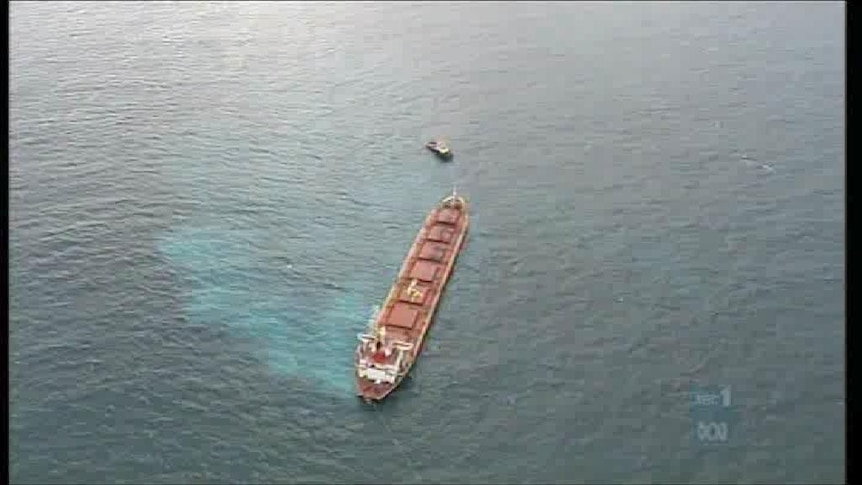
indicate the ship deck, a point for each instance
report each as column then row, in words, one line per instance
column 408, row 310
column 411, row 303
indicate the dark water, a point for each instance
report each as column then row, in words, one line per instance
column 207, row 200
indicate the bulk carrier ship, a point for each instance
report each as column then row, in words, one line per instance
column 390, row 347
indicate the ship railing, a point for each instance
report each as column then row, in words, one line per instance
column 367, row 366
column 365, row 363
column 365, row 338
column 406, row 346
column 378, row 375
column 381, row 372
column 396, row 345
column 454, row 200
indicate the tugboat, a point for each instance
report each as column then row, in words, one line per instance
column 439, row 147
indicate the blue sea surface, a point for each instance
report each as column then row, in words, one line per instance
column 207, row 200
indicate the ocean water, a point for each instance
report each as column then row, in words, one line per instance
column 208, row 199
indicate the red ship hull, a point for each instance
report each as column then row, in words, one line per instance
column 387, row 352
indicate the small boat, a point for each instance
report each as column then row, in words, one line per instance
column 439, row 147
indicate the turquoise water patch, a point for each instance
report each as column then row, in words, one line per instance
column 303, row 326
